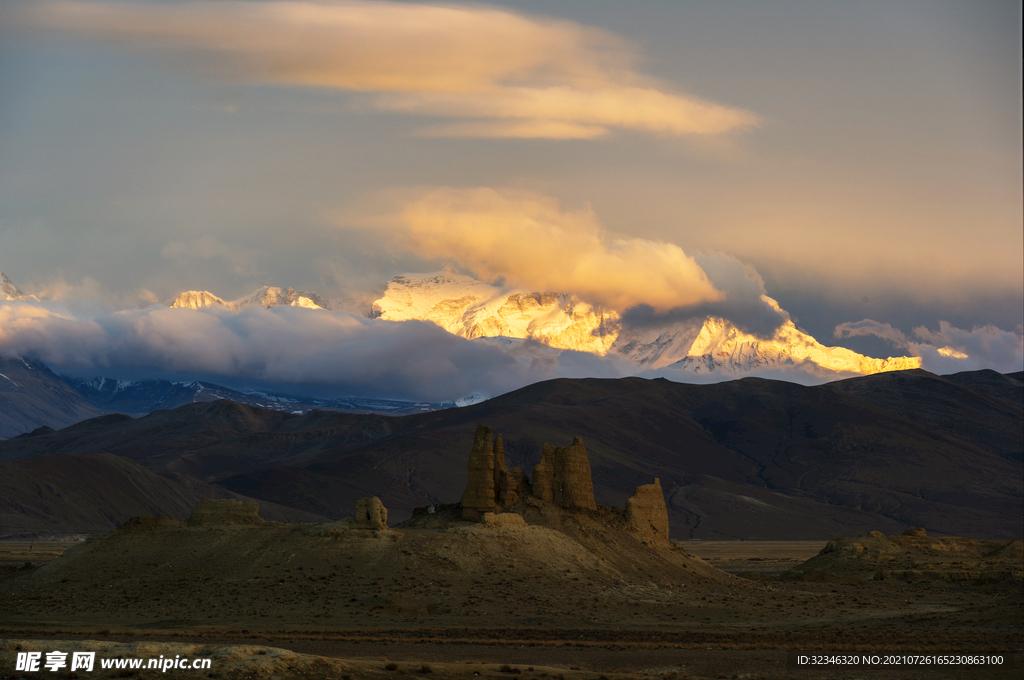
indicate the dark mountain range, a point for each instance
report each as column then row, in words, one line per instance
column 98, row 492
column 139, row 397
column 31, row 396
column 750, row 458
column 977, row 407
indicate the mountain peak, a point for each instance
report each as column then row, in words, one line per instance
column 197, row 299
column 271, row 296
column 267, row 296
column 473, row 309
column 10, row 290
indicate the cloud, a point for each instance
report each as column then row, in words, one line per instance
column 744, row 301
column 240, row 260
column 334, row 352
column 515, row 75
column 865, row 327
column 984, row 347
column 58, row 289
column 527, row 240
column 949, row 349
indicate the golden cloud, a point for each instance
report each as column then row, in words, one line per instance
column 510, row 74
column 530, row 242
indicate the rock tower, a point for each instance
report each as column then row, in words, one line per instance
column 646, row 513
column 370, row 514
column 491, row 486
column 562, row 476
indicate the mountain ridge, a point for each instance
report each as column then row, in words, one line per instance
column 99, row 491
column 475, row 310
column 266, row 296
column 749, row 458
column 32, row 396
column 139, row 397
column 472, row 309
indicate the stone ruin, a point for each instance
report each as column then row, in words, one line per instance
column 370, row 514
column 219, row 512
column 646, row 513
column 491, row 486
column 562, row 477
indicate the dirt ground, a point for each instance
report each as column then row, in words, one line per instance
column 768, row 557
column 573, row 601
column 17, row 553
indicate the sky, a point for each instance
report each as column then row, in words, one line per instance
column 860, row 161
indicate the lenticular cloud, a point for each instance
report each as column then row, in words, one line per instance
column 504, row 74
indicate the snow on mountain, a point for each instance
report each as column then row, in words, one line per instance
column 197, row 299
column 11, row 292
column 720, row 346
column 137, row 397
column 267, row 296
column 472, row 309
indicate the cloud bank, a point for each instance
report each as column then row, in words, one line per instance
column 949, row 349
column 506, row 74
column 528, row 241
column 744, row 302
column 333, row 351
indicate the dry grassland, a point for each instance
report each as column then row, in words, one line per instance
column 570, row 601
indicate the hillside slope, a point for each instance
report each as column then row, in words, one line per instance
column 98, row 492
column 32, row 396
column 750, row 458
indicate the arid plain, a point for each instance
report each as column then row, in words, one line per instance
column 535, row 581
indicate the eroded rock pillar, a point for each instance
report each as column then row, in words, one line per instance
column 480, row 496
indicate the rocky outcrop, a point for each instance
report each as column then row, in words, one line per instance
column 562, row 476
column 479, row 496
column 508, row 486
column 490, row 486
column 370, row 514
column 915, row 556
column 225, row 512
column 646, row 513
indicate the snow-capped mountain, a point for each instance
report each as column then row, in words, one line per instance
column 31, row 396
column 10, row 291
column 267, row 296
column 138, row 397
column 473, row 309
column 722, row 346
